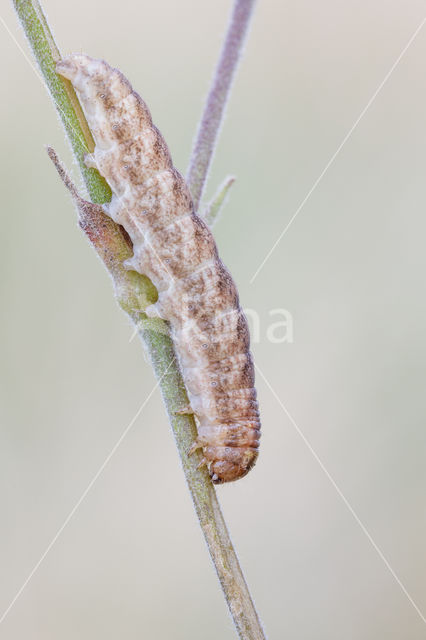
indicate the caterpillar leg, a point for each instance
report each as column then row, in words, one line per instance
column 203, row 462
column 153, row 311
column 185, row 411
column 89, row 161
column 130, row 264
column 196, row 445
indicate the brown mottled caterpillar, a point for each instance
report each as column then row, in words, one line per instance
column 176, row 250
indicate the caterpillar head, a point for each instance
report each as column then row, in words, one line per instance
column 99, row 86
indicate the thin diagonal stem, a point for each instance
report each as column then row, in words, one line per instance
column 63, row 95
column 212, row 118
column 213, row 209
column 133, row 292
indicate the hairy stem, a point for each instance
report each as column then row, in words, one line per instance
column 211, row 120
column 134, row 292
column 213, row 209
column 204, row 496
column 46, row 54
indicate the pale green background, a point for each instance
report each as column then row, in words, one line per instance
column 132, row 563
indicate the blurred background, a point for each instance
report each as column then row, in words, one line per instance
column 131, row 563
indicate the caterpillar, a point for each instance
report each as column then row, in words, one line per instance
column 176, row 250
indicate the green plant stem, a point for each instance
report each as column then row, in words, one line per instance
column 134, row 292
column 213, row 113
column 63, row 95
column 204, row 495
column 213, row 209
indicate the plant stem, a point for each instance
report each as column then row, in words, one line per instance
column 134, row 292
column 46, row 54
column 211, row 120
column 212, row 210
column 204, row 495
